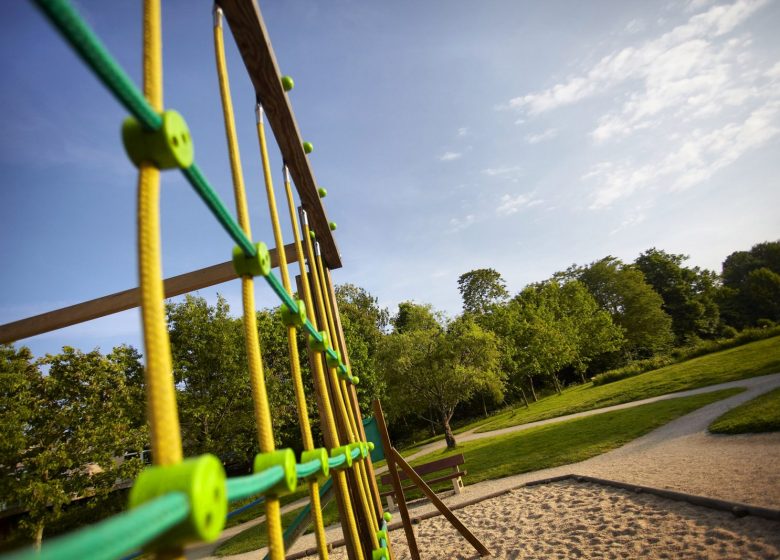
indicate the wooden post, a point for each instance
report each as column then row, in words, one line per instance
column 390, row 456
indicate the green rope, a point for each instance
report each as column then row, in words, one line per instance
column 118, row 535
column 337, row 461
column 244, row 486
column 305, row 470
column 91, row 50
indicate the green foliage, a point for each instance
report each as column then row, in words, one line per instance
column 751, row 285
column 416, row 317
column 688, row 293
column 435, row 369
column 481, row 289
column 569, row 441
column 66, row 429
column 750, row 360
column 759, row 415
column 631, row 301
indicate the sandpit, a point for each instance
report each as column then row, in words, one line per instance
column 570, row 519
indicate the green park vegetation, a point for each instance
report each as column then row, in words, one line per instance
column 759, row 415
column 519, row 357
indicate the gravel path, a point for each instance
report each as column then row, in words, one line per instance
column 680, row 456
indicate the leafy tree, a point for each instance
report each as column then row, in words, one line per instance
column 688, row 293
column 438, row 368
column 750, row 285
column 416, row 317
column 481, row 289
column 68, row 428
column 632, row 303
column 364, row 323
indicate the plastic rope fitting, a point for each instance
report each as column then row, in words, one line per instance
column 322, row 191
column 355, row 451
column 346, row 451
column 387, row 516
column 319, row 345
column 284, row 458
column 380, row 554
column 370, row 446
column 258, row 265
column 202, row 479
column 291, row 319
column 319, row 454
column 381, row 534
column 333, row 226
column 333, row 359
column 287, row 83
column 308, row 147
column 168, row 147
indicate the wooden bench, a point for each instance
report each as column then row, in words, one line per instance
column 452, row 463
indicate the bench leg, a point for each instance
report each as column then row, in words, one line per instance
column 390, row 503
column 457, row 485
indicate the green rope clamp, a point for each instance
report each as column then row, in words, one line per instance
column 284, row 458
column 370, row 445
column 343, row 371
column 345, row 450
column 332, row 226
column 320, row 454
column 308, row 147
column 287, row 83
column 203, row 480
column 380, row 554
column 356, row 445
column 387, row 516
column 259, row 265
column 294, row 319
column 333, row 360
column 381, row 534
column 319, row 345
column 322, row 192
column 355, row 380
column 168, row 147
column 312, row 235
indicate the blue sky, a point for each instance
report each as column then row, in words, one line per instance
column 522, row 136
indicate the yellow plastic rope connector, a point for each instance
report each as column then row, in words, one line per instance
column 256, row 376
column 292, row 339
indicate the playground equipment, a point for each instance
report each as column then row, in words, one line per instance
column 178, row 500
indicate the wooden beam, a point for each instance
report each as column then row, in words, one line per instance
column 128, row 299
column 249, row 32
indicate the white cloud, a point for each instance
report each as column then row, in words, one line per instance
column 450, row 156
column 463, row 131
column 498, row 171
column 459, row 224
column 512, row 204
column 548, row 134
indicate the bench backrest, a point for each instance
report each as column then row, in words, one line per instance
column 428, row 468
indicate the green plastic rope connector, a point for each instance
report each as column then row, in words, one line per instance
column 333, row 359
column 294, row 319
column 168, row 147
column 284, row 458
column 346, row 451
column 287, row 83
column 356, row 451
column 308, row 147
column 387, row 516
column 312, row 235
column 332, row 226
column 371, row 445
column 202, row 480
column 381, row 534
column 322, row 192
column 319, row 345
column 380, row 554
column 320, row 454
column 258, row 265
column 355, row 380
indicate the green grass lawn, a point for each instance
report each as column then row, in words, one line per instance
column 757, row 358
column 569, row 441
column 762, row 414
column 257, row 537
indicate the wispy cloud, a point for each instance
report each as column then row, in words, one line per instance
column 548, row 134
column 463, row 131
column 450, row 156
column 501, row 171
column 459, row 224
column 512, row 204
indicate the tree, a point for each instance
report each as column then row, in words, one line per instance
column 75, row 421
column 688, row 293
column 416, row 317
column 632, row 303
column 481, row 289
column 438, row 368
column 750, row 285
column 364, row 323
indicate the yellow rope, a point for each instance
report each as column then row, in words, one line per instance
column 292, row 339
column 256, row 375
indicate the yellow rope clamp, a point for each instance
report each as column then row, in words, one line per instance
column 256, row 376
column 292, row 342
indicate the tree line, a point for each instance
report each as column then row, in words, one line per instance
column 69, row 418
